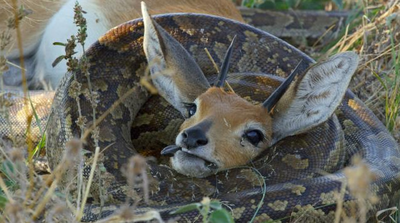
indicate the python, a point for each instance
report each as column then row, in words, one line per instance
column 255, row 133
column 53, row 21
column 223, row 130
column 300, row 157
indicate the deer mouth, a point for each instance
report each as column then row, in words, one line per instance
column 188, row 154
column 170, row 150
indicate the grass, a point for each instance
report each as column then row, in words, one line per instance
column 23, row 198
column 371, row 29
column 289, row 4
column 24, row 195
column 378, row 47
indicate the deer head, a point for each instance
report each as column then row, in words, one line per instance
column 222, row 130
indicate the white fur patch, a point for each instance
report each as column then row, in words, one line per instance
column 60, row 28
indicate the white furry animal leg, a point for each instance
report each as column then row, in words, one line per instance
column 60, row 27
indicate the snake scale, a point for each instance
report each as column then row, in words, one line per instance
column 295, row 25
column 295, row 169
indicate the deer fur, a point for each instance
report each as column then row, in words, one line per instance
column 216, row 135
column 226, row 145
column 52, row 21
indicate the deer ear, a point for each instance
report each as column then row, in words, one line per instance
column 174, row 72
column 313, row 97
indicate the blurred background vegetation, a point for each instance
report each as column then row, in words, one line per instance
column 296, row 4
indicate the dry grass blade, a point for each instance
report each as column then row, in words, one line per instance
column 340, row 199
column 217, row 69
column 377, row 41
column 348, row 40
column 391, row 211
column 5, row 189
column 29, row 142
column 93, row 168
column 40, row 207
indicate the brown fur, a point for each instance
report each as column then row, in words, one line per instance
column 32, row 26
column 124, row 10
column 116, row 12
column 229, row 113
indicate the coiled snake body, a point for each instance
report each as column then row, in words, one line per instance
column 301, row 173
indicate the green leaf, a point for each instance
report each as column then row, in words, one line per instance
column 7, row 167
column 58, row 60
column 37, row 119
column 380, row 80
column 3, row 200
column 41, row 145
column 59, row 44
column 290, row 3
column 267, row 5
column 216, row 205
column 221, row 216
column 102, row 168
column 39, row 124
column 187, row 208
column 339, row 4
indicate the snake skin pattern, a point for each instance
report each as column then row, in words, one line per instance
column 301, row 173
column 13, row 129
column 296, row 24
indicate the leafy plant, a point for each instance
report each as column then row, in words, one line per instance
column 211, row 211
column 6, row 169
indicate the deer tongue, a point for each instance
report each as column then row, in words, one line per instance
column 170, row 150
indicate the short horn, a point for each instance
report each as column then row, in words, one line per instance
column 223, row 73
column 277, row 94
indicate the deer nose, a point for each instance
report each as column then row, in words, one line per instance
column 194, row 137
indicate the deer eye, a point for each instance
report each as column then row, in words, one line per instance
column 254, row 136
column 191, row 109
